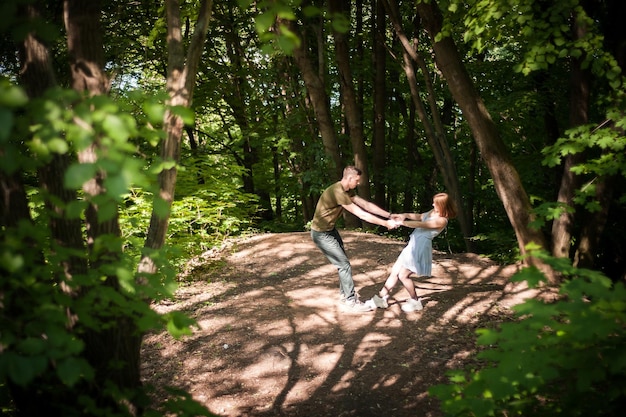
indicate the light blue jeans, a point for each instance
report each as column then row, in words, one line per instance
column 331, row 245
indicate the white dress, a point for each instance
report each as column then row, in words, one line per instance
column 417, row 256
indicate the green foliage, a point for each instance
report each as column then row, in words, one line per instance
column 208, row 211
column 565, row 357
column 603, row 147
column 181, row 403
column 54, row 296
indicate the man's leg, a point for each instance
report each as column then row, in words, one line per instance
column 331, row 245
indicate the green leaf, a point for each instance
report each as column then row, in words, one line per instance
column 107, row 210
column 11, row 262
column 58, row 145
column 71, row 370
column 11, row 96
column 77, row 174
column 244, row 3
column 126, row 279
column 154, row 111
column 115, row 128
column 161, row 207
column 6, row 124
column 531, row 274
column 116, row 186
column 264, row 22
column 20, row 369
column 179, row 324
column 184, row 113
column 75, row 209
column 32, row 346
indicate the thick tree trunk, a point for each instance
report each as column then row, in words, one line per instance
column 506, row 178
column 108, row 347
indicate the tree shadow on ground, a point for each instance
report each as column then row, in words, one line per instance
column 273, row 342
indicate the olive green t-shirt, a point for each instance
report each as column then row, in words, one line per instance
column 329, row 207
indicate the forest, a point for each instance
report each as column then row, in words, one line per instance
column 137, row 135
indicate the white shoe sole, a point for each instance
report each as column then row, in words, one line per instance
column 411, row 307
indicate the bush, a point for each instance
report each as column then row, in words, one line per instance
column 566, row 357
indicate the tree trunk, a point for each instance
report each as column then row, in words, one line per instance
column 562, row 227
column 238, row 98
column 298, row 166
column 352, row 111
column 181, row 80
column 585, row 256
column 379, row 155
column 506, row 178
column 320, row 102
column 108, row 347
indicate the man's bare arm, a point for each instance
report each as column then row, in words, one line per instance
column 369, row 217
column 370, row 207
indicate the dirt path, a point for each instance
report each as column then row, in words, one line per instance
column 272, row 341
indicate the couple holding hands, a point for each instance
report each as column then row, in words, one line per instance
column 415, row 258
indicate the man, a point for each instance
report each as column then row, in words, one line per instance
column 334, row 200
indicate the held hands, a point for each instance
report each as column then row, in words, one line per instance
column 397, row 217
column 392, row 224
column 395, row 221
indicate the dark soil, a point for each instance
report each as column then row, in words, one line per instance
column 272, row 340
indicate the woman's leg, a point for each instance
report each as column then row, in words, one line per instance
column 407, row 282
column 391, row 281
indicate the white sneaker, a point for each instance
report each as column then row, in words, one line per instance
column 355, row 306
column 379, row 302
column 412, row 305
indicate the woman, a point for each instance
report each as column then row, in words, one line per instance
column 417, row 256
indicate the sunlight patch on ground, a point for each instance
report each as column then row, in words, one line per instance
column 326, row 356
column 387, row 381
column 277, row 328
column 457, row 313
column 345, row 382
column 370, row 345
column 217, row 323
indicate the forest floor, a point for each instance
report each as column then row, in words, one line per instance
column 272, row 340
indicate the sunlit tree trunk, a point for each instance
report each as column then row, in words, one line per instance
column 181, row 79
